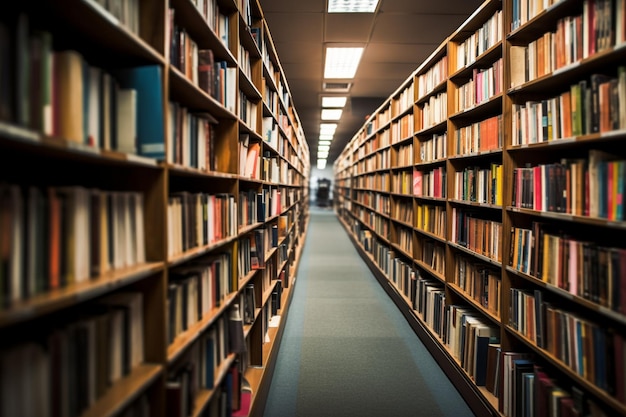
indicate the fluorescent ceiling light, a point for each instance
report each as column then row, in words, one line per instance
column 334, row 102
column 326, row 136
column 331, row 114
column 323, row 147
column 321, row 163
column 352, row 6
column 342, row 62
column 324, row 142
column 322, row 155
column 328, row 128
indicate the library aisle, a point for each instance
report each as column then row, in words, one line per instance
column 347, row 350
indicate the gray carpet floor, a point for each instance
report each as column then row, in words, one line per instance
column 347, row 350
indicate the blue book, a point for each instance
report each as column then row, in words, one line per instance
column 209, row 362
column 147, row 81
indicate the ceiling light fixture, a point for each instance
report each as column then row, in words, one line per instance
column 321, row 163
column 334, row 102
column 352, row 6
column 331, row 114
column 342, row 62
column 326, row 136
column 328, row 128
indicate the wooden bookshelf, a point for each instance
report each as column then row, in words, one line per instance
column 493, row 128
column 126, row 212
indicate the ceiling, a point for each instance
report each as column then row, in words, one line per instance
column 397, row 38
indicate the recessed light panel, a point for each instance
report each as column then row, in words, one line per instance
column 331, row 114
column 342, row 62
column 352, row 6
column 328, row 128
column 334, row 102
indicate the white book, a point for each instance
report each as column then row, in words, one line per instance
column 140, row 251
column 231, row 88
column 127, row 120
column 16, row 202
column 93, row 111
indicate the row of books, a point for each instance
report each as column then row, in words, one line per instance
column 482, row 136
column 197, row 288
column 480, row 281
column 430, row 183
column 591, row 186
column 434, row 148
column 484, row 84
column 126, row 12
column 68, row 367
column 600, row 26
column 475, row 343
column 477, row 234
column 597, row 105
column 589, row 348
column 199, row 219
column 54, row 237
column 488, row 35
column 480, row 185
column 403, row 212
column 431, row 218
column 59, row 93
column 199, row 369
column 191, row 138
column 588, row 270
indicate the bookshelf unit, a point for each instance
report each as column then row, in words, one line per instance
column 514, row 274
column 151, row 231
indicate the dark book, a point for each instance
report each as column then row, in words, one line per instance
column 260, row 247
column 521, row 367
column 493, row 362
column 210, row 360
column 236, row 342
column 274, row 233
column 174, row 399
column 543, row 388
column 206, row 71
column 596, row 110
column 539, row 318
column 249, row 303
column 481, row 353
column 7, row 81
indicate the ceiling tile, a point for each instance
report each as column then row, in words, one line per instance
column 464, row 7
column 413, row 28
column 302, row 70
column 289, row 52
column 348, row 27
column 396, row 52
column 269, row 6
column 296, row 27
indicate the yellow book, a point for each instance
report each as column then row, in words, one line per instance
column 420, row 210
column 499, row 181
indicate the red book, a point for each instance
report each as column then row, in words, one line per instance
column 537, row 192
column 417, row 183
column 54, row 239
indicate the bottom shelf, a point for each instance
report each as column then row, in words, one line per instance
column 125, row 391
column 254, row 395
